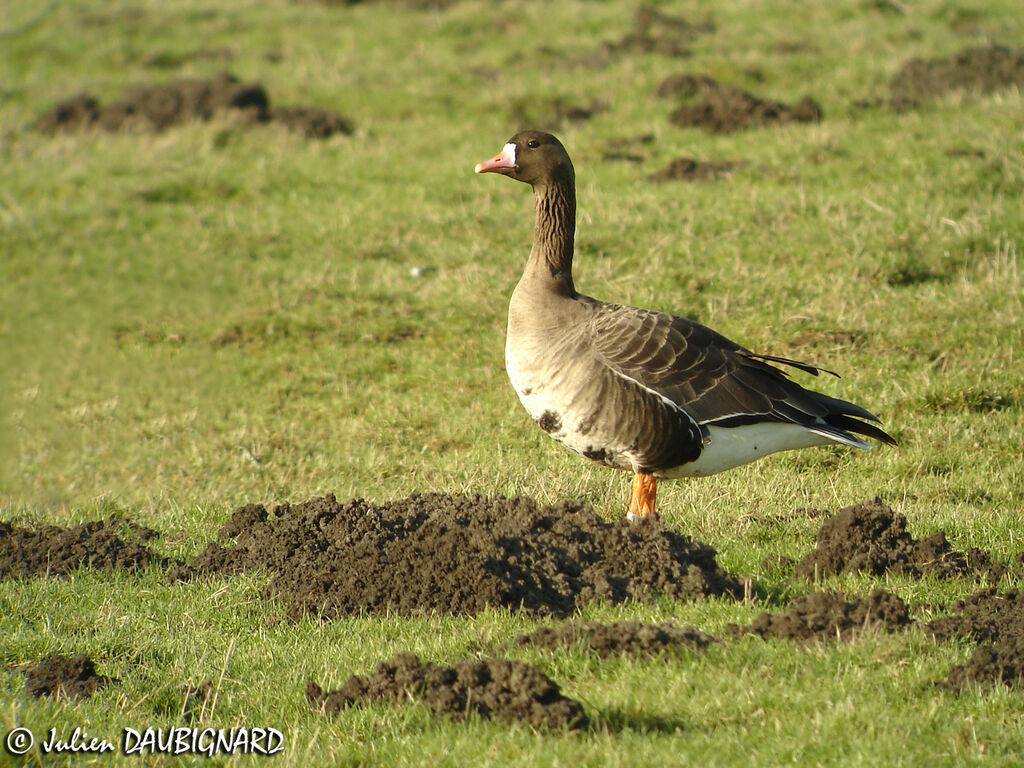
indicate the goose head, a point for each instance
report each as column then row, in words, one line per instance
column 533, row 157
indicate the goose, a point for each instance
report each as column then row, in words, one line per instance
column 637, row 389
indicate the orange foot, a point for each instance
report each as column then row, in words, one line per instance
column 641, row 500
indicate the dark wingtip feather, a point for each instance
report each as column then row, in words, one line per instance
column 856, row 426
column 814, row 370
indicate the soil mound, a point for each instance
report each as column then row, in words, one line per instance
column 981, row 70
column 55, row 551
column 829, row 616
column 996, row 621
column 510, row 691
column 985, row 616
column 871, row 537
column 620, row 638
column 719, row 108
column 691, row 169
column 157, row 107
column 553, row 114
column 414, row 5
column 628, row 148
column 458, row 555
column 656, row 32
column 999, row 662
column 70, row 677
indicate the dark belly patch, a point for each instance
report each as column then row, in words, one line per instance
column 549, row 421
column 597, row 454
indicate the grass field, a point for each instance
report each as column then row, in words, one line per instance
column 220, row 313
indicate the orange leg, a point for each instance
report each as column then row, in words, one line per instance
column 641, row 500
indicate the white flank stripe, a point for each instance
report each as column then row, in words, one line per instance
column 730, row 447
column 853, row 443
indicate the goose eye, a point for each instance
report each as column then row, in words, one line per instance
column 533, row 143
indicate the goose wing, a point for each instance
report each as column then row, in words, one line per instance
column 715, row 380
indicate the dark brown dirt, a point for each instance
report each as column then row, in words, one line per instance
column 976, row 70
column 416, row 5
column 314, row 122
column 691, row 169
column 510, row 691
column 708, row 104
column 871, row 537
column 195, row 700
column 828, row 616
column 995, row 620
column 553, row 114
column 458, row 555
column 631, row 149
column 999, row 662
column 985, row 616
column 56, row 551
column 70, row 677
column 656, row 32
column 620, row 638
column 159, row 106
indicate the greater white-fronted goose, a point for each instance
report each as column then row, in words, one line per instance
column 635, row 389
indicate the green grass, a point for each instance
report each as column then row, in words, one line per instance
column 216, row 315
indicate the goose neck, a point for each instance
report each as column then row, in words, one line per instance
column 555, row 229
